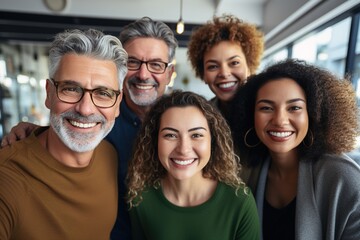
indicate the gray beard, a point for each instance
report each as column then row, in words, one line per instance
column 79, row 142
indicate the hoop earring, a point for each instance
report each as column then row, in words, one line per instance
column 245, row 141
column 311, row 136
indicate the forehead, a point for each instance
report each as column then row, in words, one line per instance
column 225, row 48
column 83, row 69
column 187, row 117
column 147, row 48
column 282, row 88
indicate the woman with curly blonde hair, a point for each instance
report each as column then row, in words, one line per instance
column 223, row 53
column 183, row 177
column 298, row 120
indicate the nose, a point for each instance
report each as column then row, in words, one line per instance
column 86, row 106
column 184, row 146
column 280, row 117
column 143, row 73
column 224, row 71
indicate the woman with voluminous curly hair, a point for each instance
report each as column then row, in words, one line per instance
column 297, row 121
column 223, row 53
column 184, row 175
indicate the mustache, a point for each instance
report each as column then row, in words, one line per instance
column 136, row 80
column 84, row 119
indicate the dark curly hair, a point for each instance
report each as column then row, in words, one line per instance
column 225, row 28
column 145, row 168
column 331, row 105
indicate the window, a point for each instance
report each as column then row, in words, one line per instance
column 327, row 48
column 282, row 54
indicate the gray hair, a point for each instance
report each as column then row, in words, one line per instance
column 92, row 43
column 147, row 28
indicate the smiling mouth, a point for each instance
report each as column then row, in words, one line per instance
column 226, row 85
column 82, row 125
column 280, row 134
column 143, row 87
column 183, row 162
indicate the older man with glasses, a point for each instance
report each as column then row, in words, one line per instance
column 61, row 181
column 151, row 48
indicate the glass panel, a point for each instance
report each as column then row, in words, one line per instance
column 275, row 57
column 356, row 71
column 327, row 48
column 356, row 82
column 23, row 70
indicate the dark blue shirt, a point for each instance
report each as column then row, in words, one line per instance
column 123, row 136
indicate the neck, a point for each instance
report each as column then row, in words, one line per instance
column 140, row 111
column 188, row 193
column 284, row 164
column 282, row 179
column 64, row 155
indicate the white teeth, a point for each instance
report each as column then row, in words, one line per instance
column 82, row 125
column 227, row 85
column 280, row 134
column 144, row 87
column 183, row 162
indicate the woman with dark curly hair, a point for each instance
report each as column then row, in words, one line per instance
column 298, row 120
column 223, row 53
column 183, row 180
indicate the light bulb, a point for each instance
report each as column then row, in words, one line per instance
column 180, row 27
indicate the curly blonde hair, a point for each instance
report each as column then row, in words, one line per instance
column 225, row 28
column 331, row 105
column 145, row 169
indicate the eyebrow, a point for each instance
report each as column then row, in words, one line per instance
column 288, row 101
column 190, row 130
column 151, row 59
column 230, row 58
column 80, row 85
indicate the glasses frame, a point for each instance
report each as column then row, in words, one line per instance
column 147, row 67
column 84, row 90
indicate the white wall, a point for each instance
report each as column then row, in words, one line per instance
column 184, row 70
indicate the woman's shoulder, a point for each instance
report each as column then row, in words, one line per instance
column 340, row 170
column 337, row 164
column 241, row 193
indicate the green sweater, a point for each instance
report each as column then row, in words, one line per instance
column 224, row 216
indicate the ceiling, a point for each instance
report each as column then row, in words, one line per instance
column 32, row 21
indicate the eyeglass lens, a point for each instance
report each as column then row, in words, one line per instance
column 72, row 93
column 152, row 66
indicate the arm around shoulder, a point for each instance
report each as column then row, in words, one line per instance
column 18, row 132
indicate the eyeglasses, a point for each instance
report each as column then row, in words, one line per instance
column 153, row 66
column 72, row 93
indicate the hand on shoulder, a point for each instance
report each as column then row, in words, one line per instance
column 18, row 132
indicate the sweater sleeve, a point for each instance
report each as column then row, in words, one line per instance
column 9, row 201
column 348, row 197
column 337, row 191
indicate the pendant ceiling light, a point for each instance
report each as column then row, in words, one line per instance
column 180, row 26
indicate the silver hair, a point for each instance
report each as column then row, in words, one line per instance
column 147, row 28
column 92, row 43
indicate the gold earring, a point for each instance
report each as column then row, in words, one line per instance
column 245, row 141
